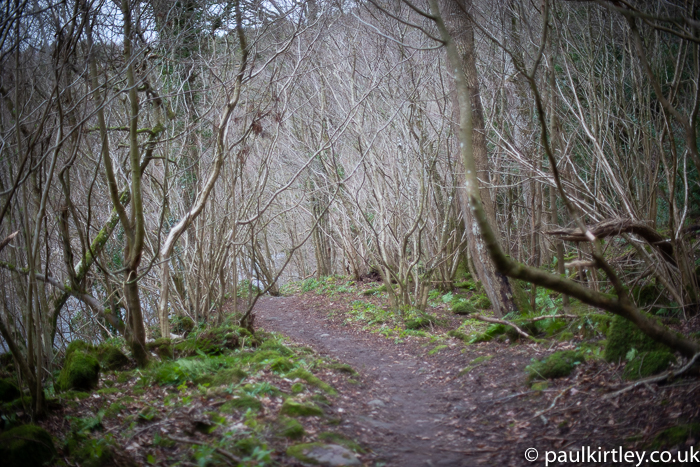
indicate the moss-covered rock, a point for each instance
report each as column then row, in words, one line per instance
column 419, row 321
column 624, row 336
column 492, row 331
column 463, row 308
column 282, row 365
column 8, row 390
column 290, row 428
column 211, row 342
column 307, row 376
column 648, row 363
column 242, row 402
column 80, row 371
column 557, row 365
column 323, row 454
column 182, row 325
column 163, row 347
column 300, row 409
column 481, row 301
column 297, row 388
column 111, row 357
column 343, row 440
column 79, row 345
column 26, row 445
column 458, row 335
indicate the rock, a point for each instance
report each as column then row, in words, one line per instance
column 376, row 403
column 325, row 335
column 162, row 347
column 8, row 390
column 557, row 365
column 331, row 455
column 111, row 357
column 648, row 364
column 26, row 445
column 299, row 409
column 80, row 371
column 623, row 335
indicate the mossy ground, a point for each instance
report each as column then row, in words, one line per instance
column 557, row 365
column 244, row 398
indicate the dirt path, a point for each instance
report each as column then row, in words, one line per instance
column 414, row 409
column 404, row 411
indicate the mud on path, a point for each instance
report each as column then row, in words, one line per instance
column 413, row 409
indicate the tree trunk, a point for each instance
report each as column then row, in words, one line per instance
column 496, row 285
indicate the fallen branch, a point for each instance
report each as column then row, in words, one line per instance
column 226, row 454
column 656, row 379
column 540, row 318
column 614, row 227
column 502, row 321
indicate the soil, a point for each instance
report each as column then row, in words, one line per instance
column 413, row 408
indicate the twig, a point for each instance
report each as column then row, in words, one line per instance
column 656, row 379
column 226, row 454
column 554, row 402
column 8, row 239
column 501, row 321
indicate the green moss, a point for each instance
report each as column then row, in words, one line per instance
column 106, row 391
column 182, row 325
column 437, row 349
column 299, row 451
column 337, row 438
column 463, row 308
column 8, row 390
column 248, row 445
column 491, row 332
column 557, row 365
column 111, row 357
column 282, row 365
column 647, row 364
column 290, row 428
column 163, row 347
column 297, row 388
column 280, row 349
column 343, row 368
column 420, row 321
column 228, row 376
column 124, row 376
column 624, row 336
column 80, row 371
column 211, row 342
column 565, row 336
column 26, row 445
column 539, row 386
column 458, row 335
column 300, row 409
column 481, row 302
column 311, row 379
column 79, row 345
column 375, row 290
column 242, row 402
column 675, row 435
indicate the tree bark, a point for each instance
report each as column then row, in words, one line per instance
column 497, row 286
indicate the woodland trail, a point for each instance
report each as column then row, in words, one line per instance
column 407, row 410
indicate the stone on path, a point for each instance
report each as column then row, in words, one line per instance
column 331, row 455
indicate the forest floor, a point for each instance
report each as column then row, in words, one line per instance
column 432, row 401
column 331, row 365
